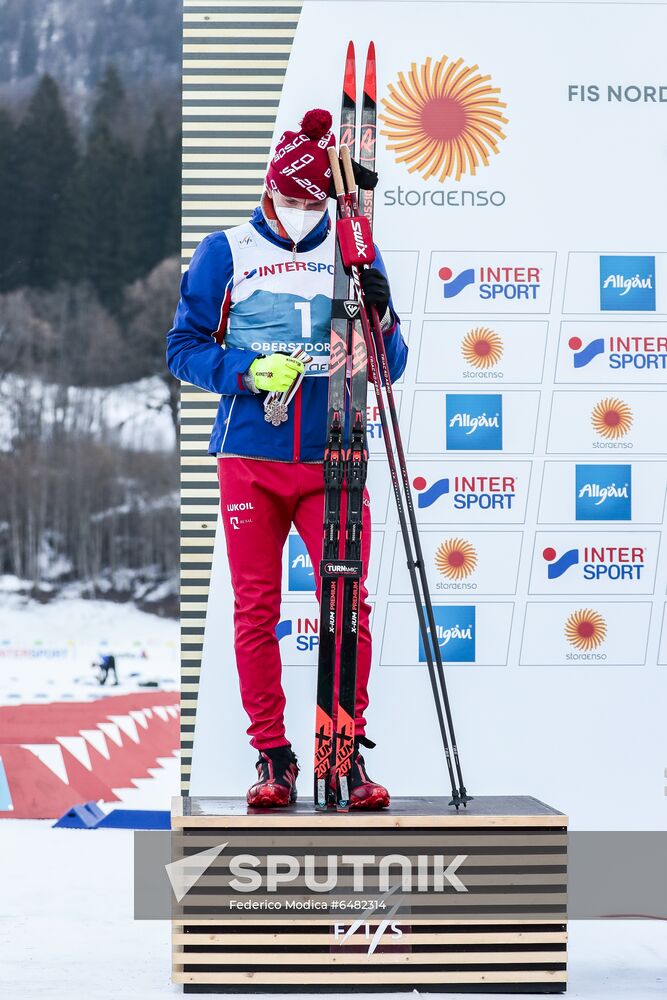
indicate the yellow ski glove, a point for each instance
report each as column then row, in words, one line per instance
column 275, row 372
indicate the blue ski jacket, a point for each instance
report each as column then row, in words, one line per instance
column 248, row 293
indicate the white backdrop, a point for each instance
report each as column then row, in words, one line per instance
column 574, row 183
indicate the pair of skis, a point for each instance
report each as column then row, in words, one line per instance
column 345, row 464
column 356, row 332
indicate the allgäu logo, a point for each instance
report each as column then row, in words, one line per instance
column 474, row 422
column 455, row 634
column 603, row 492
column 627, row 283
column 300, row 573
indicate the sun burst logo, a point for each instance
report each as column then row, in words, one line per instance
column 585, row 629
column 455, row 558
column 482, row 348
column 444, row 119
column 611, row 418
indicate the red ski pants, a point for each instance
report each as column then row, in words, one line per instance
column 259, row 502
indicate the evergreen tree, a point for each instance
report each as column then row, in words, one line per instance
column 45, row 155
column 110, row 104
column 28, row 51
column 172, row 235
column 8, row 213
column 155, row 183
column 109, row 171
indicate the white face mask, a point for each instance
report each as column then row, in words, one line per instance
column 296, row 222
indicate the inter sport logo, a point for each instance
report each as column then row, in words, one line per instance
column 474, row 422
column 443, row 119
column 427, row 495
column 603, row 492
column 468, row 492
column 611, row 418
column 304, row 632
column 456, row 558
column 622, row 352
column 496, row 281
column 455, row 634
column 627, row 284
column 598, row 562
column 585, row 629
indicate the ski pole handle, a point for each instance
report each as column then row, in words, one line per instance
column 334, row 163
column 346, row 160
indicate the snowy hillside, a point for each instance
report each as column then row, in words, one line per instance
column 136, row 414
column 46, row 651
column 74, row 40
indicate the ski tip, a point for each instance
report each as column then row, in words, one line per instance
column 370, row 77
column 349, row 82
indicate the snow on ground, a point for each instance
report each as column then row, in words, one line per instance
column 66, row 897
column 46, row 650
column 66, row 926
column 136, row 412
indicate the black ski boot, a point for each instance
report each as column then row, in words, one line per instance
column 364, row 792
column 277, row 769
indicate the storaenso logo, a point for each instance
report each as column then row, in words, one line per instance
column 450, row 111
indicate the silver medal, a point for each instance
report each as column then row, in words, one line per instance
column 276, row 403
column 275, row 411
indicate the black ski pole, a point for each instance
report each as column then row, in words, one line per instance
column 384, row 366
column 348, row 209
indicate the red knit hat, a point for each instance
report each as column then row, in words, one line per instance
column 300, row 166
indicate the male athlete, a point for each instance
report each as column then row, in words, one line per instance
column 251, row 297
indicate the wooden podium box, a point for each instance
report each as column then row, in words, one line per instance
column 505, row 932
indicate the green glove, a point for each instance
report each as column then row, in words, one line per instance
column 275, row 372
